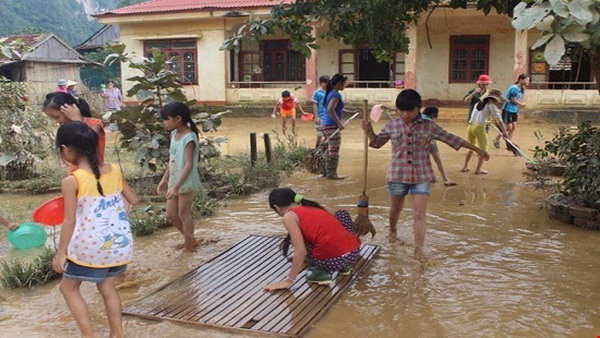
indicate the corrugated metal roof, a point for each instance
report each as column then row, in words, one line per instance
column 164, row 6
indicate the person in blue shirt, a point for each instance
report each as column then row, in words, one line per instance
column 333, row 122
column 510, row 112
column 318, row 100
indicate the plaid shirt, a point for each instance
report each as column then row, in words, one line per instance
column 411, row 146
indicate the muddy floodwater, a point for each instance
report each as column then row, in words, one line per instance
column 498, row 266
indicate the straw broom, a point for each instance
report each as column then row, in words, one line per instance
column 315, row 159
column 362, row 224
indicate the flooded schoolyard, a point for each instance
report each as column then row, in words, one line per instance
column 497, row 265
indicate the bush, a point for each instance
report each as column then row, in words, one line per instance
column 146, row 221
column 19, row 274
column 580, row 152
column 21, row 132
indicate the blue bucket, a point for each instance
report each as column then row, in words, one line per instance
column 28, row 235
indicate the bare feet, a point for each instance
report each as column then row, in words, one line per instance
column 420, row 256
column 393, row 236
column 481, row 172
column 449, row 183
column 465, row 170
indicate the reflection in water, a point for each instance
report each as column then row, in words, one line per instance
column 498, row 266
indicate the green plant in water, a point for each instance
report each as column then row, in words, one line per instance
column 147, row 220
column 580, row 152
column 19, row 274
column 141, row 126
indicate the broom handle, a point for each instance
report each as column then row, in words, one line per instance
column 344, row 124
column 366, row 148
column 514, row 145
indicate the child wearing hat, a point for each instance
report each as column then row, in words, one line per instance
column 71, row 88
column 287, row 105
column 474, row 95
column 489, row 106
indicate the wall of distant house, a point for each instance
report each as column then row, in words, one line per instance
column 211, row 66
column 42, row 76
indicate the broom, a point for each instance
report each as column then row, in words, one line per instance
column 517, row 149
column 315, row 159
column 362, row 224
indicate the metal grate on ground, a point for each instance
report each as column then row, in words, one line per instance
column 226, row 292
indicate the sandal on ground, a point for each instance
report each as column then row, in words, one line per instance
column 481, row 172
column 449, row 183
column 497, row 144
column 465, row 170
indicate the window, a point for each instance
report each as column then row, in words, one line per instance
column 360, row 65
column 250, row 66
column 469, row 57
column 185, row 53
column 280, row 63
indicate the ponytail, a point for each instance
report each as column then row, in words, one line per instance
column 522, row 77
column 176, row 108
column 84, row 141
column 283, row 197
column 337, row 78
column 56, row 100
column 481, row 104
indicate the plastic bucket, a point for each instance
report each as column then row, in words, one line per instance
column 51, row 212
column 28, row 235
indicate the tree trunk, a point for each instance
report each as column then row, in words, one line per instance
column 595, row 64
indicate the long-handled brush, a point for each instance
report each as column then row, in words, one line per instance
column 315, row 159
column 362, row 224
column 515, row 147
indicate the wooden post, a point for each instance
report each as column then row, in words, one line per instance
column 253, row 151
column 267, row 147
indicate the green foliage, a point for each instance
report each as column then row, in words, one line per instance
column 561, row 22
column 65, row 18
column 141, row 127
column 147, row 220
column 380, row 24
column 93, row 76
column 12, row 50
column 123, row 3
column 580, row 152
column 21, row 129
column 19, row 274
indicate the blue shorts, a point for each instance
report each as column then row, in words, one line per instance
column 402, row 189
column 89, row 274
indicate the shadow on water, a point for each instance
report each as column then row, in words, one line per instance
column 498, row 266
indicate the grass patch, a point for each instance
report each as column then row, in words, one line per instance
column 146, row 221
column 19, row 274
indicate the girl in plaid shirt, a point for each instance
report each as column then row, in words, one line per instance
column 410, row 170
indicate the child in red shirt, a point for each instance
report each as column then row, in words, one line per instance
column 328, row 241
column 287, row 109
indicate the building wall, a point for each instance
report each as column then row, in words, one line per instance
column 209, row 35
column 43, row 76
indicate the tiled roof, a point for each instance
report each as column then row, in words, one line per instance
column 164, row 6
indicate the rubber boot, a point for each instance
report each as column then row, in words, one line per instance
column 332, row 165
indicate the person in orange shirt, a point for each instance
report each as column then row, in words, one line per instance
column 287, row 105
column 64, row 108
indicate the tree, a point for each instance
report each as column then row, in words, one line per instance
column 562, row 22
column 123, row 3
column 382, row 24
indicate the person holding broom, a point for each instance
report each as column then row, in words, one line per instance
column 410, row 169
column 332, row 121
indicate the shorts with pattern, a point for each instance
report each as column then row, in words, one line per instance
column 337, row 263
column 335, row 142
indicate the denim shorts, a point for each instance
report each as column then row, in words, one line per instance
column 402, row 189
column 89, row 274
